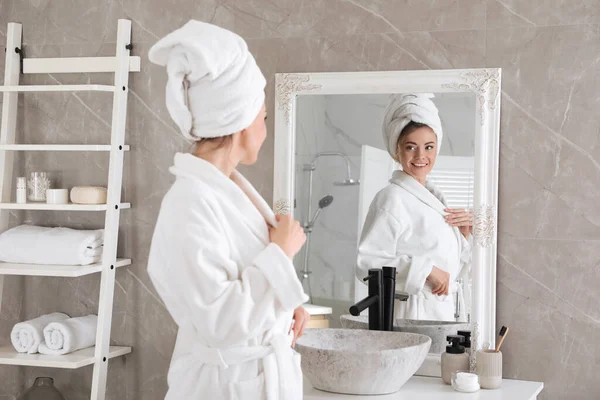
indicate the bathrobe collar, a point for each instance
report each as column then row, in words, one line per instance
column 428, row 194
column 251, row 206
column 422, row 192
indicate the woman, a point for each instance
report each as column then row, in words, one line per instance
column 220, row 259
column 408, row 225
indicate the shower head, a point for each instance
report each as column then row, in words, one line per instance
column 325, row 201
column 347, row 182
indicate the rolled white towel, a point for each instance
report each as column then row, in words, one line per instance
column 27, row 336
column 28, row 244
column 215, row 87
column 70, row 335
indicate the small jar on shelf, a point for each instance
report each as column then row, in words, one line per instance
column 21, row 192
column 38, row 184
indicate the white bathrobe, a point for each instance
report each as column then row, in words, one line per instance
column 405, row 228
column 229, row 290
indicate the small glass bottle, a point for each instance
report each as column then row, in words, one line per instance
column 21, row 196
column 42, row 389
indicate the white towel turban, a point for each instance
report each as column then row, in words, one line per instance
column 226, row 87
column 404, row 108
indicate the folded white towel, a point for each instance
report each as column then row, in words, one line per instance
column 93, row 252
column 27, row 336
column 70, row 335
column 28, row 244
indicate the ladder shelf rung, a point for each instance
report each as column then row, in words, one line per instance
column 59, row 147
column 59, row 207
column 67, row 271
column 75, row 65
column 57, row 88
column 77, row 359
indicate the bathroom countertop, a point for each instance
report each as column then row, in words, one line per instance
column 425, row 388
column 314, row 309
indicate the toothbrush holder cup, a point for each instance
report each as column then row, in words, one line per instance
column 489, row 368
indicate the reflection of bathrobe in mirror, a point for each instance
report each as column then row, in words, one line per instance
column 405, row 228
column 231, row 293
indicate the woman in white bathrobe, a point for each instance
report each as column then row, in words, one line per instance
column 408, row 225
column 220, row 259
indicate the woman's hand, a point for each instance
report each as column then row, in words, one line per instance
column 460, row 218
column 440, row 281
column 301, row 318
column 288, row 235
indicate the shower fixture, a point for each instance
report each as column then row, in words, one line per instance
column 347, row 182
column 323, row 203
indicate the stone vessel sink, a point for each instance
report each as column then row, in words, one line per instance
column 436, row 330
column 352, row 361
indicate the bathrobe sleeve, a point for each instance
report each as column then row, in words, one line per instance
column 201, row 283
column 382, row 244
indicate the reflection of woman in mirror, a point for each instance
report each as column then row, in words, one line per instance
column 408, row 225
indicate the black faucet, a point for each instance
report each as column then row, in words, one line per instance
column 380, row 301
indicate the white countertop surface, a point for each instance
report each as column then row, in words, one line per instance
column 314, row 309
column 425, row 388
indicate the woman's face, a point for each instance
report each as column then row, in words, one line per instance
column 253, row 137
column 417, row 152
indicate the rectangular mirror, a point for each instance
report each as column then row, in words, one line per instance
column 359, row 163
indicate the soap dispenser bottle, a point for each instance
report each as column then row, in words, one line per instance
column 454, row 359
column 467, row 342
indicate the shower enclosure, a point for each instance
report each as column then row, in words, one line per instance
column 310, row 219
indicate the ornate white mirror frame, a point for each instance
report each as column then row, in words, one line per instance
column 485, row 84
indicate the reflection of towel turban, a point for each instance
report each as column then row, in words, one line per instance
column 404, row 108
column 226, row 88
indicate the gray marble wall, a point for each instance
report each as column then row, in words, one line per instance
column 550, row 157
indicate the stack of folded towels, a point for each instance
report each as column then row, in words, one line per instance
column 28, row 244
column 54, row 334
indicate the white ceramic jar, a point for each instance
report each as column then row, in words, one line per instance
column 57, row 196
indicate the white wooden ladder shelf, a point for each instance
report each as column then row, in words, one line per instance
column 121, row 65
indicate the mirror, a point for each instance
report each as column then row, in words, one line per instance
column 364, row 204
column 342, row 163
